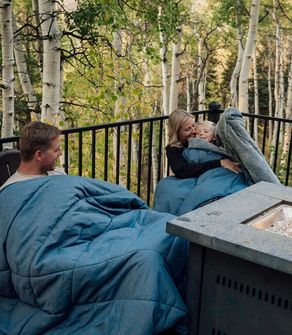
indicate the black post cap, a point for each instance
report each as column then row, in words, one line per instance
column 214, row 111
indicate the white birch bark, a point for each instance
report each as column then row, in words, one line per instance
column 154, row 155
column 39, row 45
column 135, row 144
column 147, row 99
column 281, row 86
column 247, row 54
column 201, row 77
column 270, row 98
column 175, row 72
column 288, row 112
column 164, row 66
column 194, row 91
column 165, row 89
column 236, row 70
column 276, row 85
column 188, row 94
column 24, row 78
column 256, row 96
column 7, row 84
column 51, row 62
column 154, row 163
column 117, row 45
column 120, row 101
column 277, row 72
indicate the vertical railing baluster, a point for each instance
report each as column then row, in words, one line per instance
column 105, row 154
column 118, row 154
column 264, row 136
column 80, row 153
column 160, row 153
column 149, row 163
column 277, row 145
column 66, row 153
column 140, row 160
column 129, row 157
column 289, row 159
column 252, row 127
column 93, row 146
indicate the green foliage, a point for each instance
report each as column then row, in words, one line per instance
column 229, row 11
column 98, row 77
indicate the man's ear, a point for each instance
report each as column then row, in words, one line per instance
column 38, row 155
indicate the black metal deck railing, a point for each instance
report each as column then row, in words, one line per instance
column 131, row 153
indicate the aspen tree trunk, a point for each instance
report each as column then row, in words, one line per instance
column 147, row 98
column 194, row 92
column 154, row 163
column 120, row 101
column 201, row 77
column 247, row 54
column 117, row 45
column 135, row 145
column 276, row 86
column 7, row 84
column 22, row 70
column 270, row 99
column 164, row 67
column 51, row 62
column 165, row 89
column 154, row 155
column 256, row 96
column 281, row 86
column 288, row 112
column 175, row 72
column 188, row 94
column 236, row 70
column 39, row 45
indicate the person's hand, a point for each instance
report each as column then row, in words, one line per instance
column 232, row 166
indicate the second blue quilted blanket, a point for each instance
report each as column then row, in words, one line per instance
column 179, row 196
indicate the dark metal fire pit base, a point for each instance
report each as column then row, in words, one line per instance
column 243, row 298
column 240, row 277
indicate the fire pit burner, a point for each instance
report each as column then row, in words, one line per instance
column 277, row 220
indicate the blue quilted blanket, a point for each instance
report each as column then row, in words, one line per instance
column 179, row 196
column 80, row 256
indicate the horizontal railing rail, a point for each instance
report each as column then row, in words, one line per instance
column 131, row 153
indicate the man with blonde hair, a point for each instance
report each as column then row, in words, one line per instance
column 40, row 149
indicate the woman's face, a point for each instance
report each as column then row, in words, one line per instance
column 187, row 130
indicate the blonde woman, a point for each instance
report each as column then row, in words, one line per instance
column 182, row 127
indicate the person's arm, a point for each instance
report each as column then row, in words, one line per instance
column 182, row 169
column 230, row 165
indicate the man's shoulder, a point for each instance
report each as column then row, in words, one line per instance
column 7, row 182
column 15, row 177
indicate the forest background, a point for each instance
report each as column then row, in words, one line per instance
column 78, row 63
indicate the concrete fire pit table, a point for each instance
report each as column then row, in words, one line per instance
column 240, row 262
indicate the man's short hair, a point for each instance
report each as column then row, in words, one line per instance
column 35, row 136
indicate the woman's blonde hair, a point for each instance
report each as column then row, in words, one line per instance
column 175, row 121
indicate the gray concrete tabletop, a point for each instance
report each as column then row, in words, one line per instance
column 222, row 226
